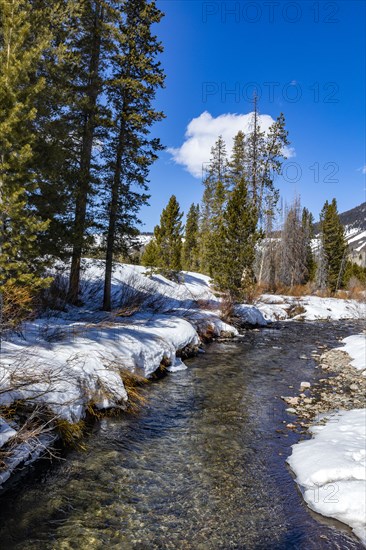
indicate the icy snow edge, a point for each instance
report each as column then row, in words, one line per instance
column 331, row 469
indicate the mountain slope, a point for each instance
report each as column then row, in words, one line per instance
column 354, row 222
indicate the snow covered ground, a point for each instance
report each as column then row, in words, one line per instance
column 355, row 346
column 331, row 467
column 72, row 358
column 309, row 308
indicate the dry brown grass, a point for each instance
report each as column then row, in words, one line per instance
column 251, row 293
column 31, row 423
column 342, row 294
column 227, row 306
column 323, row 293
column 358, row 294
column 133, row 384
column 71, row 433
column 356, row 290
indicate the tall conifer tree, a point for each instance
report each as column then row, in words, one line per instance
column 236, row 235
column 22, row 42
column 215, row 187
column 190, row 251
column 88, row 49
column 333, row 245
column 136, row 74
column 166, row 246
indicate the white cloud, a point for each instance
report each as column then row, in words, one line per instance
column 203, row 131
column 362, row 169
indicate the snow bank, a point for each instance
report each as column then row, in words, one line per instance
column 332, row 308
column 25, row 453
column 312, row 308
column 6, row 432
column 331, row 469
column 85, row 365
column 355, row 346
column 74, row 357
column 129, row 280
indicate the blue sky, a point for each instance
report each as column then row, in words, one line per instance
column 304, row 58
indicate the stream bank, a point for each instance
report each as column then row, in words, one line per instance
column 201, row 465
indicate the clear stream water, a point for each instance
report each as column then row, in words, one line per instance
column 201, row 466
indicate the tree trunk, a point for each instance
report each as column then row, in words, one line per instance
column 83, row 185
column 107, row 303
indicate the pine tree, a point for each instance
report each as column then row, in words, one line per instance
column 212, row 202
column 238, row 168
column 150, row 256
column 135, row 77
column 190, row 250
column 264, row 157
column 238, row 236
column 57, row 137
column 216, row 250
column 22, row 41
column 234, row 226
column 168, row 240
column 85, row 112
column 255, row 146
column 308, row 231
column 276, row 142
column 333, row 244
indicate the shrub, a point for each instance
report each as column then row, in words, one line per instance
column 17, row 304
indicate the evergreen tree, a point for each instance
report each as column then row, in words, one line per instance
column 265, row 153
column 308, row 231
column 237, row 236
column 135, row 77
column 255, row 146
column 354, row 275
column 84, row 112
column 150, row 256
column 168, row 240
column 215, row 185
column 276, row 142
column 237, row 169
column 22, row 41
column 333, row 245
column 234, row 226
column 190, row 250
column 215, row 251
column 57, row 138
